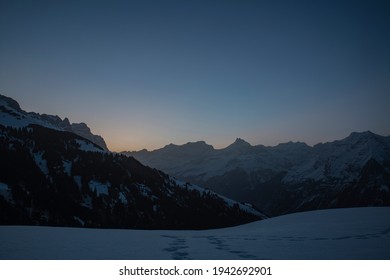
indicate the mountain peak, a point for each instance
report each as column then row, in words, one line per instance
column 196, row 144
column 190, row 147
column 9, row 102
column 361, row 136
column 170, row 146
column 238, row 144
column 291, row 144
column 83, row 130
column 241, row 142
column 367, row 133
column 81, row 126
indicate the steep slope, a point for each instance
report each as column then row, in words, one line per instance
column 289, row 177
column 12, row 115
column 53, row 177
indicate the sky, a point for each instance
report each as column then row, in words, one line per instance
column 144, row 74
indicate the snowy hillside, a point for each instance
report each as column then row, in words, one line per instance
column 51, row 177
column 286, row 178
column 359, row 233
column 12, row 115
column 51, row 174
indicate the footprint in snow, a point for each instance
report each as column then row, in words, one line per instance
column 177, row 248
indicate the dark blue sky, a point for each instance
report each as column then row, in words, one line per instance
column 147, row 73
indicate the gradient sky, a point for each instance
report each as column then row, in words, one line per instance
column 144, row 74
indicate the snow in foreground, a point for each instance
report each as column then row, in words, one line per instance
column 358, row 233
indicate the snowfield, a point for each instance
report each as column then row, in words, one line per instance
column 355, row 233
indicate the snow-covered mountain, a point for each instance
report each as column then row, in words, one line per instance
column 201, row 161
column 52, row 176
column 343, row 160
column 289, row 177
column 12, row 115
column 359, row 233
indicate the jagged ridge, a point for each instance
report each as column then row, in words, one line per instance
column 12, row 115
column 289, row 177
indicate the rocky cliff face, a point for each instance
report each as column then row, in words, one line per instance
column 11, row 114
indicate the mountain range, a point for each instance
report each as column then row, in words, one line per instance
column 60, row 174
column 286, row 178
column 57, row 173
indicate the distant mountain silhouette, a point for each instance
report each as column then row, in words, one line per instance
column 289, row 177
